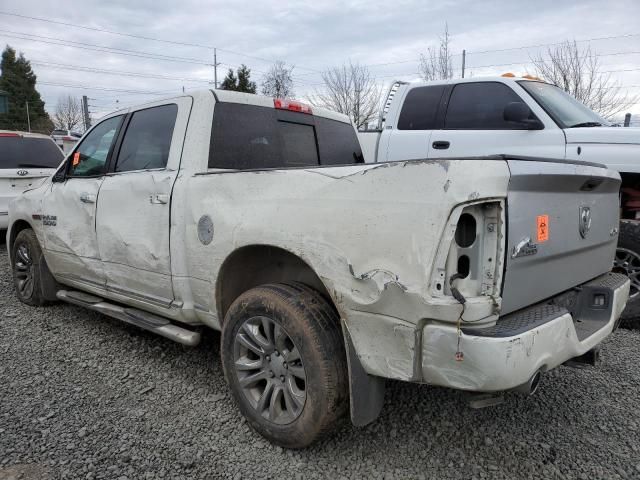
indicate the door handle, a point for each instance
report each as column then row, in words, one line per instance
column 440, row 145
column 160, row 198
column 87, row 198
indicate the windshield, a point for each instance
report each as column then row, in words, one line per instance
column 562, row 107
column 25, row 152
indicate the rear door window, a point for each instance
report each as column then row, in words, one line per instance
column 480, row 106
column 29, row 152
column 252, row 137
column 420, row 108
column 147, row 139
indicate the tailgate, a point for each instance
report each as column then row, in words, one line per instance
column 562, row 228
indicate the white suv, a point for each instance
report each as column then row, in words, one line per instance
column 25, row 159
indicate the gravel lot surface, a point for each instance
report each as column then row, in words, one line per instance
column 84, row 396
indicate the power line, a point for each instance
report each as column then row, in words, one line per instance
column 414, row 60
column 612, row 37
column 102, row 48
column 142, row 37
column 116, row 72
column 105, row 89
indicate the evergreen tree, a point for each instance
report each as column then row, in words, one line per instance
column 19, row 81
column 244, row 82
column 241, row 83
column 230, row 82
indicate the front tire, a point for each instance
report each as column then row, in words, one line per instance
column 27, row 262
column 284, row 359
column 627, row 261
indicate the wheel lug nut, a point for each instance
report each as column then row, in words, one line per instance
column 282, row 378
column 284, row 364
column 268, row 358
column 276, row 353
column 271, row 374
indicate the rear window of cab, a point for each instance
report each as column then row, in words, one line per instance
column 247, row 137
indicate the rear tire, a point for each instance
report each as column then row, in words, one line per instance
column 627, row 261
column 284, row 359
column 28, row 268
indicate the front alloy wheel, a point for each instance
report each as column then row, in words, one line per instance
column 30, row 270
column 24, row 270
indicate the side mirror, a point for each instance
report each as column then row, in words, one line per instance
column 520, row 113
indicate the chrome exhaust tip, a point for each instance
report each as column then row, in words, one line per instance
column 530, row 387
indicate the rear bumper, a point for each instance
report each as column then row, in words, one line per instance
column 4, row 220
column 534, row 339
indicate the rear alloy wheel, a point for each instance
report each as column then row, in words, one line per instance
column 270, row 370
column 627, row 262
column 284, row 359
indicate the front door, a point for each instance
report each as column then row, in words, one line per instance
column 134, row 205
column 474, row 126
column 69, row 209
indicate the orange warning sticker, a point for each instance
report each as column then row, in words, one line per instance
column 543, row 228
column 76, row 159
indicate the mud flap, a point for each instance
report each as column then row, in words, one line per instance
column 366, row 391
column 48, row 284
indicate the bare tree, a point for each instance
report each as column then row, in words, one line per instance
column 349, row 89
column 68, row 113
column 436, row 64
column 578, row 72
column 277, row 82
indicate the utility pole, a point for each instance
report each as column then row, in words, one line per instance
column 357, row 115
column 464, row 58
column 215, row 67
column 627, row 120
column 85, row 113
column 28, row 119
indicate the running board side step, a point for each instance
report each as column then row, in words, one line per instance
column 139, row 318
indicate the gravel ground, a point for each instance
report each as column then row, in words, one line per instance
column 84, row 396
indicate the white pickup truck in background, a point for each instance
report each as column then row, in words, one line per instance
column 326, row 275
column 473, row 117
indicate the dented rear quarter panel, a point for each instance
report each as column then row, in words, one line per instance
column 368, row 231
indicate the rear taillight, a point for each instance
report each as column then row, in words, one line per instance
column 10, row 135
column 292, row 105
column 68, row 139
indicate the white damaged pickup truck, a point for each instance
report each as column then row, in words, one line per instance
column 326, row 275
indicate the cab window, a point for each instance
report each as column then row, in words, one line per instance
column 420, row 108
column 90, row 157
column 147, row 139
column 480, row 106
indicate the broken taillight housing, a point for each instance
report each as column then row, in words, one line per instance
column 474, row 253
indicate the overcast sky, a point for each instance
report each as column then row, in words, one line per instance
column 387, row 36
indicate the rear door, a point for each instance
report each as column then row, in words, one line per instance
column 474, row 126
column 133, row 219
column 562, row 228
column 24, row 162
column 410, row 139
